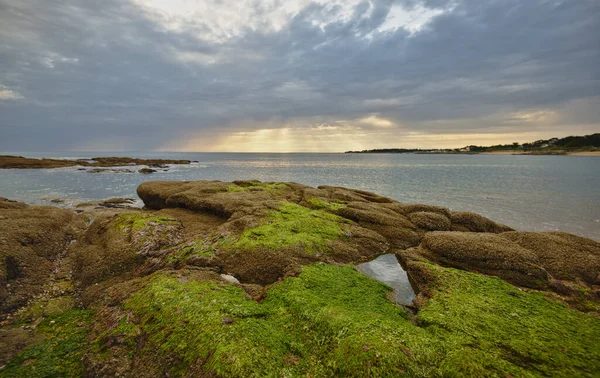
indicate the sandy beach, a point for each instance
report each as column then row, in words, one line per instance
column 585, row 153
column 515, row 152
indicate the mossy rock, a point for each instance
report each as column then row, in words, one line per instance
column 292, row 235
column 335, row 321
column 115, row 244
column 31, row 239
column 58, row 352
column 159, row 306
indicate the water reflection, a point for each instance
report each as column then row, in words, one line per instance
column 386, row 269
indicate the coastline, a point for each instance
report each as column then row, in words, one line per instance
column 499, row 152
column 566, row 153
column 274, row 265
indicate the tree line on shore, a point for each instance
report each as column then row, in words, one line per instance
column 571, row 143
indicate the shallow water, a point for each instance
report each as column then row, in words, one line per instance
column 386, row 269
column 533, row 193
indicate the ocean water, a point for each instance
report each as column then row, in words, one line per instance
column 533, row 193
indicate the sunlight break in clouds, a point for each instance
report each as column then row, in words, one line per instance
column 295, row 75
column 376, row 121
column 7, row 94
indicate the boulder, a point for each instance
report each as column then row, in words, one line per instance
column 471, row 222
column 31, row 239
column 486, row 253
column 565, row 256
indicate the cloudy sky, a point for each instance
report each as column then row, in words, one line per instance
column 297, row 75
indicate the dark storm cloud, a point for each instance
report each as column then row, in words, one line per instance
column 107, row 74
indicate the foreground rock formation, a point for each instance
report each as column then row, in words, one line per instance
column 121, row 291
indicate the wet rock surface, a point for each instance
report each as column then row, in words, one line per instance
column 259, row 279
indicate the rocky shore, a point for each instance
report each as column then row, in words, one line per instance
column 8, row 161
column 254, row 279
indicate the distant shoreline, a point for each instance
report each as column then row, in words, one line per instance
column 587, row 145
column 499, row 152
column 565, row 153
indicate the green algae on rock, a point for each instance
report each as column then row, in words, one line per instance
column 334, row 321
column 149, row 296
column 60, row 351
column 293, row 224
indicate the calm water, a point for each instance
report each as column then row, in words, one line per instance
column 386, row 269
column 526, row 192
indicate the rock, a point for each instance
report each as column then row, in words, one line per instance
column 264, row 236
column 230, row 278
column 147, row 170
column 111, row 170
column 114, row 244
column 10, row 204
column 398, row 229
column 31, row 238
column 565, row 256
column 566, row 264
column 22, row 162
column 115, row 203
column 145, row 293
column 430, row 221
column 121, row 161
column 7, row 161
column 485, row 253
column 470, row 222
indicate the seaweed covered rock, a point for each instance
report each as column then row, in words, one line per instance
column 471, row 222
column 485, row 253
column 573, row 263
column 398, row 229
column 117, row 244
column 256, row 279
column 244, row 203
column 564, row 256
column 8, row 161
column 31, row 240
column 566, row 264
column 290, row 236
column 430, row 221
column 334, row 321
column 265, row 233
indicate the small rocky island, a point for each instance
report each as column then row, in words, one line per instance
column 253, row 279
column 20, row 162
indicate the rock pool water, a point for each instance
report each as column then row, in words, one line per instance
column 386, row 269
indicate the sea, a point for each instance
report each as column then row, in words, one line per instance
column 529, row 193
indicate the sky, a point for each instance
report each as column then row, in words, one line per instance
column 295, row 76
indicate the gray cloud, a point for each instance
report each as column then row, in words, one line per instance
column 113, row 74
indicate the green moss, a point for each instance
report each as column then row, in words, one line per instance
column 291, row 225
column 320, row 204
column 51, row 307
column 138, row 221
column 513, row 332
column 187, row 321
column 197, row 247
column 232, row 188
column 60, row 354
column 335, row 321
column 125, row 331
column 256, row 186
